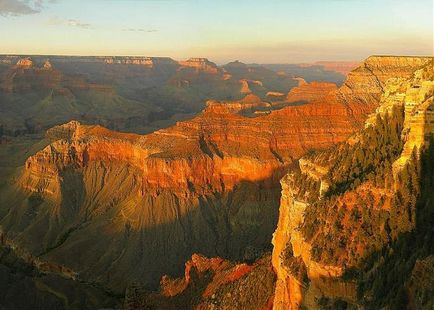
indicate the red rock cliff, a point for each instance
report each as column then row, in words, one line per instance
column 209, row 185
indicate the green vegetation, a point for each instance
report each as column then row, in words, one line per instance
column 295, row 265
column 385, row 273
column 371, row 158
column 368, row 161
column 307, row 188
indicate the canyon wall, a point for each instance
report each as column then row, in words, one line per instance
column 99, row 201
column 337, row 209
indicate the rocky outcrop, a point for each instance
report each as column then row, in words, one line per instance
column 201, row 64
column 321, row 227
column 216, row 175
column 47, row 65
column 25, row 63
column 307, row 92
column 246, row 85
column 274, row 94
column 207, row 185
column 374, row 73
column 210, row 283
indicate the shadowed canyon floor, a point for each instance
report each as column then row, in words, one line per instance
column 119, row 208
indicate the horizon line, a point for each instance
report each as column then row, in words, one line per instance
column 184, row 59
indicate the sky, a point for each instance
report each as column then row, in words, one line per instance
column 273, row 31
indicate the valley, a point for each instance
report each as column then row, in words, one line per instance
column 98, row 201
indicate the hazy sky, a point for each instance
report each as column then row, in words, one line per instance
column 252, row 31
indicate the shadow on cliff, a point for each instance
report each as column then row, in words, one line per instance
column 104, row 246
column 384, row 278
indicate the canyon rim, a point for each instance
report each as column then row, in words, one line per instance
column 216, row 155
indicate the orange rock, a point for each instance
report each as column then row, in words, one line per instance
column 25, row 63
column 201, row 64
column 209, row 184
column 307, row 92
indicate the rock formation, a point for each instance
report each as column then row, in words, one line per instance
column 307, row 92
column 201, row 64
column 246, row 85
column 340, row 207
column 207, row 185
column 210, row 283
column 133, row 94
column 25, row 63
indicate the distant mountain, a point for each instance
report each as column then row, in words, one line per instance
column 321, row 71
column 135, row 94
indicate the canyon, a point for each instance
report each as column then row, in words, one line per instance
column 367, row 216
column 306, row 276
column 122, row 208
column 133, row 94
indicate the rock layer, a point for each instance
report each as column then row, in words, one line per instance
column 307, row 92
column 207, row 185
column 306, row 272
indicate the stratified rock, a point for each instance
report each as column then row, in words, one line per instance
column 208, row 185
column 330, row 225
column 201, row 64
column 307, row 92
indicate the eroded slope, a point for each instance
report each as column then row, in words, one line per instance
column 117, row 208
column 351, row 216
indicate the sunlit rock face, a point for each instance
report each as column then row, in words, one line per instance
column 100, row 201
column 307, row 92
column 210, row 283
column 201, row 64
column 25, row 63
column 321, row 238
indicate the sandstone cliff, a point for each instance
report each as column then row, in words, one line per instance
column 342, row 207
column 307, row 92
column 201, row 64
column 207, row 185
